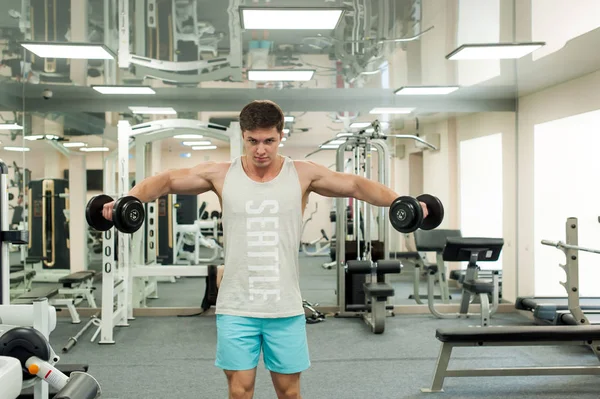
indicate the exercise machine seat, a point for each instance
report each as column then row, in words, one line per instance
column 478, row 286
column 378, row 290
column 75, row 278
column 518, row 334
column 408, row 255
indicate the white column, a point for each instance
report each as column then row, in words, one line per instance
column 79, row 33
column 235, row 140
column 77, row 203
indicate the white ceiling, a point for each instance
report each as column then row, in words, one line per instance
column 570, row 31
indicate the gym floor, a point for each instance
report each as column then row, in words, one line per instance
column 158, row 357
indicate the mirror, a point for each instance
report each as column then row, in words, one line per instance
column 193, row 62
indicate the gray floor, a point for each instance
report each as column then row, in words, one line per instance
column 174, row 357
column 168, row 357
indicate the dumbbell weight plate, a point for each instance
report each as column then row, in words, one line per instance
column 93, row 213
column 406, row 214
column 128, row 214
column 435, row 210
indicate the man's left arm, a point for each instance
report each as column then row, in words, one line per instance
column 336, row 184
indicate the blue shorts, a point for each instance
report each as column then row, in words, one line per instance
column 282, row 340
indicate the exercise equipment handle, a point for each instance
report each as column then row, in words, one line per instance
column 560, row 244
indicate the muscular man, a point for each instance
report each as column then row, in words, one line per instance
column 262, row 195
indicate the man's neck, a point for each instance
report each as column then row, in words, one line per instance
column 271, row 171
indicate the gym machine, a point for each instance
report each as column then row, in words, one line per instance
column 49, row 228
column 572, row 310
column 321, row 245
column 580, row 334
column 26, row 358
column 362, row 267
column 124, row 279
column 450, row 246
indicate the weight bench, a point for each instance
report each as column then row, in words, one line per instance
column 38, row 292
column 75, row 287
column 79, row 285
column 376, row 292
column 20, row 282
column 512, row 336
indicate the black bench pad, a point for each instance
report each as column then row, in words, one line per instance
column 408, row 255
column 518, row 334
column 39, row 292
column 378, row 289
column 478, row 286
column 21, row 276
column 77, row 277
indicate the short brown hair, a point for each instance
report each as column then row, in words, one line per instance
column 261, row 114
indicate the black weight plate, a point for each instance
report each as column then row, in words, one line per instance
column 406, row 214
column 128, row 214
column 93, row 213
column 215, row 214
column 23, row 342
column 435, row 210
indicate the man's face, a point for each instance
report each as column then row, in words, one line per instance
column 261, row 145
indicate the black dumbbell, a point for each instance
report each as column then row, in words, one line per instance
column 406, row 214
column 128, row 214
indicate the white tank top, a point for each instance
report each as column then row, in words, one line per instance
column 262, row 223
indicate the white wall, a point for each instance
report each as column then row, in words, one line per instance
column 567, row 99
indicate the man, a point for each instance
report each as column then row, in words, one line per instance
column 262, row 195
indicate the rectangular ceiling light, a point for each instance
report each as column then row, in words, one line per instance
column 124, row 89
column 17, row 149
column 294, row 18
column 94, row 149
column 191, row 143
column 85, row 51
column 343, row 134
column 425, row 90
column 188, row 136
column 74, row 144
column 289, row 118
column 391, row 110
column 493, row 51
column 359, row 125
column 153, row 110
column 280, row 75
column 329, row 146
column 34, row 137
column 205, row 147
column 336, row 142
column 10, row 126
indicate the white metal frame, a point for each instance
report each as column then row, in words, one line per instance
column 118, row 296
column 230, row 66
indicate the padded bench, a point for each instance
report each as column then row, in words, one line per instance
column 75, row 288
column 479, row 286
column 512, row 336
column 380, row 291
column 38, row 292
column 20, row 282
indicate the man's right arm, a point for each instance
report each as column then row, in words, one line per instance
column 193, row 181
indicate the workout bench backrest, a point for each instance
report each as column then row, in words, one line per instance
column 433, row 240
